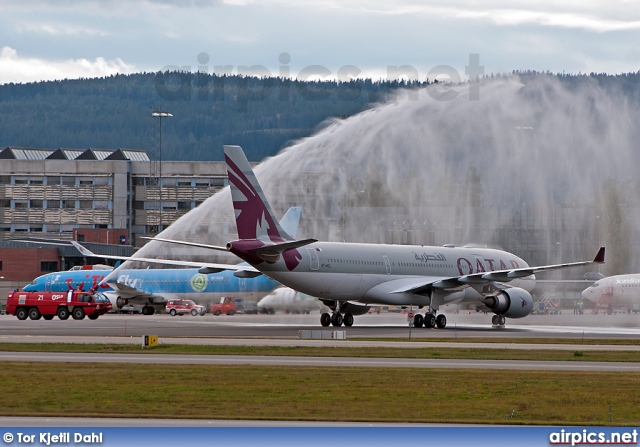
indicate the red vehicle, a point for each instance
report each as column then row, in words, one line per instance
column 75, row 303
column 181, row 307
column 226, row 306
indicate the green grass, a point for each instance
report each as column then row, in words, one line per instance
column 318, row 394
column 322, row 394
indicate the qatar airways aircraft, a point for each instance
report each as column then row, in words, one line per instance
column 347, row 277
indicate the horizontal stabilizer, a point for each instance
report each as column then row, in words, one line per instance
column 271, row 253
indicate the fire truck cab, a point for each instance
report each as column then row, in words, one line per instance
column 74, row 303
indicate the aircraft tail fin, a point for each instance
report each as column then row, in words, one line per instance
column 291, row 220
column 254, row 217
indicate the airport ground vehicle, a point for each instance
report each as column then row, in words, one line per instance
column 181, row 307
column 226, row 306
column 74, row 303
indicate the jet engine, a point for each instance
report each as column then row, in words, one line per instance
column 512, row 303
column 120, row 302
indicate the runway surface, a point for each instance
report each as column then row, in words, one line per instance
column 384, row 326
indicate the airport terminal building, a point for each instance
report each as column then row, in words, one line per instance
column 53, row 193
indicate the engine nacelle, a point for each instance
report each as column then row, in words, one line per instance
column 121, row 302
column 512, row 303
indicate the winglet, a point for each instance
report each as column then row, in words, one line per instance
column 599, row 259
column 84, row 251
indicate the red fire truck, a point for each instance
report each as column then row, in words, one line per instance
column 74, row 303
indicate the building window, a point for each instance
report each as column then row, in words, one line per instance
column 5, row 203
column 48, row 266
column 81, row 238
column 68, row 180
column 86, row 204
column 36, row 203
column 68, row 204
column 53, row 204
column 0, row 266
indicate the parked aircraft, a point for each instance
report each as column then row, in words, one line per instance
column 347, row 277
column 285, row 299
column 620, row 292
column 151, row 288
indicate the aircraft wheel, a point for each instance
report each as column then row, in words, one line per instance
column 34, row 313
column 348, row 320
column 336, row 319
column 429, row 321
column 441, row 321
column 63, row 313
column 78, row 313
column 325, row 319
column 501, row 320
column 418, row 320
column 22, row 314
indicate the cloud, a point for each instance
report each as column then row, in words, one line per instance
column 60, row 30
column 14, row 68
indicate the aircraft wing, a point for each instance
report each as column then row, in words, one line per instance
column 206, row 267
column 129, row 293
column 419, row 285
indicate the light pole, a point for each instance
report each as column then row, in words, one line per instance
column 160, row 114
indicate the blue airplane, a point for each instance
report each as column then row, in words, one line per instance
column 152, row 288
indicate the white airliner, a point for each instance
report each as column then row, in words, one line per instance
column 347, row 277
column 620, row 292
column 285, row 299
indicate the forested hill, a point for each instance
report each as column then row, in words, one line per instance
column 262, row 115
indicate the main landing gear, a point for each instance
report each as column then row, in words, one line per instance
column 429, row 320
column 498, row 320
column 337, row 319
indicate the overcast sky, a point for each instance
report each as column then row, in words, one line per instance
column 42, row 40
